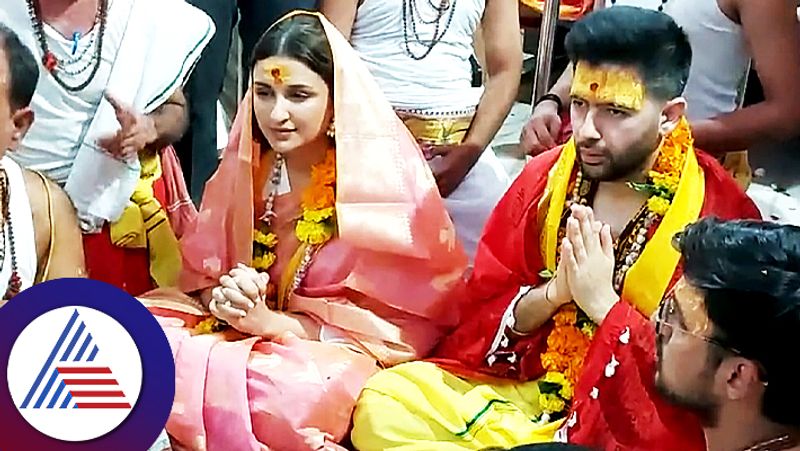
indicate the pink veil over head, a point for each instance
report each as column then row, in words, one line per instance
column 387, row 203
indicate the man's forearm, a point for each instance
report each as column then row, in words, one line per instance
column 494, row 106
column 561, row 88
column 533, row 310
column 741, row 129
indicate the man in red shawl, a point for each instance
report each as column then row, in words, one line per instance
column 546, row 347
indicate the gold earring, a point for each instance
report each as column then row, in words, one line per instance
column 331, row 132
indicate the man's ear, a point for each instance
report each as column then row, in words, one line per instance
column 23, row 119
column 671, row 115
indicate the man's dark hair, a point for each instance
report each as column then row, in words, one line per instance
column 22, row 66
column 749, row 272
column 648, row 40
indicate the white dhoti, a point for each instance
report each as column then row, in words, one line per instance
column 473, row 201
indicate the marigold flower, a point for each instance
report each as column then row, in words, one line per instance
column 207, row 326
column 269, row 240
column 264, row 262
column 319, row 198
column 658, row 205
column 567, row 315
column 318, row 215
column 550, row 403
column 313, row 232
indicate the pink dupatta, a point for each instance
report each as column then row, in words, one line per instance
column 403, row 248
column 403, row 266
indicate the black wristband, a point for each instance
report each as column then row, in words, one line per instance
column 552, row 97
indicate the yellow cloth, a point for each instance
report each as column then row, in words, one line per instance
column 418, row 406
column 649, row 277
column 439, row 130
column 144, row 224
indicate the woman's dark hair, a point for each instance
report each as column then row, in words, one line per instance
column 749, row 273
column 300, row 37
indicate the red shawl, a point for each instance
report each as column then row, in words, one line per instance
column 509, row 257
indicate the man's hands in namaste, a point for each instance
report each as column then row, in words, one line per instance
column 586, row 270
column 137, row 132
column 240, row 300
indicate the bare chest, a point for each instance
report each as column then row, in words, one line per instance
column 616, row 208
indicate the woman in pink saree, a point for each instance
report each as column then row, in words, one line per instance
column 322, row 251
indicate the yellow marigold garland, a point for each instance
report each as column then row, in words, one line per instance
column 573, row 331
column 567, row 346
column 316, row 225
column 663, row 179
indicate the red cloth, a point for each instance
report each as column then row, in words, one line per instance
column 629, row 414
column 180, row 208
column 509, row 257
column 125, row 268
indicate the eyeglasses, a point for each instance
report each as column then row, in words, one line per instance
column 665, row 329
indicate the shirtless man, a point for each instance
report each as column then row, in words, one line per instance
column 46, row 239
column 419, row 53
column 725, row 35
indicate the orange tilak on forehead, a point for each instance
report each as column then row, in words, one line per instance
column 619, row 87
column 691, row 303
column 278, row 73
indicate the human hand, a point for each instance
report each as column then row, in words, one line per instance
column 136, row 133
column 450, row 164
column 557, row 291
column 541, row 131
column 240, row 300
column 588, row 250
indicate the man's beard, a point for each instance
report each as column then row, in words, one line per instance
column 699, row 400
column 624, row 166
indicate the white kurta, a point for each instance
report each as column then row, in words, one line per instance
column 143, row 61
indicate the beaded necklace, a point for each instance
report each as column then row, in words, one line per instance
column 55, row 66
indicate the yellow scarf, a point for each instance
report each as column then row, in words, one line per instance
column 144, row 224
column 648, row 278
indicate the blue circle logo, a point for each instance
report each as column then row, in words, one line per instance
column 87, row 368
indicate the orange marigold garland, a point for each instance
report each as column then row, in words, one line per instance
column 567, row 346
column 568, row 343
column 663, row 178
column 315, row 227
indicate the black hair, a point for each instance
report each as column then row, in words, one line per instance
column 22, row 67
column 648, row 40
column 749, row 273
column 300, row 37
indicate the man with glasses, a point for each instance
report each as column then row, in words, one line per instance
column 725, row 337
column 726, row 332
column 582, row 238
